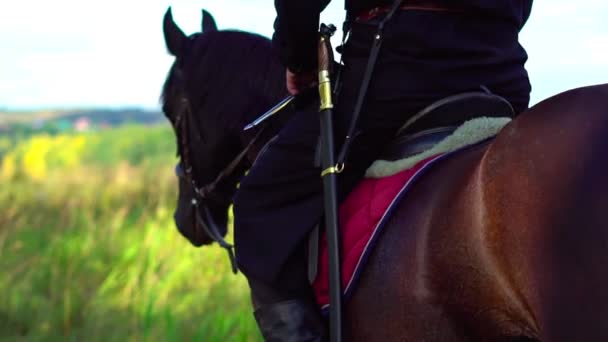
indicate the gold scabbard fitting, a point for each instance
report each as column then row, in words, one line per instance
column 338, row 168
column 325, row 90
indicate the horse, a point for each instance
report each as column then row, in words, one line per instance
column 503, row 241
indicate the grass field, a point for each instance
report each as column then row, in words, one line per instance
column 89, row 252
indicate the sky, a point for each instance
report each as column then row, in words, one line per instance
column 71, row 53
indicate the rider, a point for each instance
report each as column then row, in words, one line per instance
column 431, row 49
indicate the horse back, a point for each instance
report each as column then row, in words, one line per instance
column 505, row 240
column 546, row 194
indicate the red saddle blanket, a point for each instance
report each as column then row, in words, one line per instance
column 362, row 216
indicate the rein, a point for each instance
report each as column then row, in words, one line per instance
column 207, row 192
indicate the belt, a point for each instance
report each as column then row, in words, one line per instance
column 412, row 5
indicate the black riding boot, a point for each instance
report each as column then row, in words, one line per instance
column 292, row 320
column 286, row 309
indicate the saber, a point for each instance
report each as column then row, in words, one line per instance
column 272, row 111
column 329, row 176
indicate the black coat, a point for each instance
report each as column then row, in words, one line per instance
column 297, row 22
column 425, row 56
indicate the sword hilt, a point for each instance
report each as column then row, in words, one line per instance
column 326, row 58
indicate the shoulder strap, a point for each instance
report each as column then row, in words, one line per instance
column 371, row 63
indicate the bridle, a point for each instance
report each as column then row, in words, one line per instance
column 207, row 192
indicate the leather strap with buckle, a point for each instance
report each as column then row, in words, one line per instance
column 412, row 5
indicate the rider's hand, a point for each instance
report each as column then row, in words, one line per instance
column 296, row 83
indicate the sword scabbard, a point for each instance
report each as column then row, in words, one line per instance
column 329, row 176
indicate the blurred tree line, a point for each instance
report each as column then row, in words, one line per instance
column 33, row 156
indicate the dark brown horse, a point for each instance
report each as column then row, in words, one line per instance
column 505, row 241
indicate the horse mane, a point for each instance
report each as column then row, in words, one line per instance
column 215, row 62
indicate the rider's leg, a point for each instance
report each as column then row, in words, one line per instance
column 288, row 312
column 281, row 200
column 276, row 205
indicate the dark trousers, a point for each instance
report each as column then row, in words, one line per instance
column 425, row 56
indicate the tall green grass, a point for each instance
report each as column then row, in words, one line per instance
column 89, row 251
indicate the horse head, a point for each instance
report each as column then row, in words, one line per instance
column 211, row 91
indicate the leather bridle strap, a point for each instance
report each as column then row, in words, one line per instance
column 206, row 190
column 209, row 225
column 214, row 233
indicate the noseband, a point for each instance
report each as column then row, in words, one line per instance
column 184, row 169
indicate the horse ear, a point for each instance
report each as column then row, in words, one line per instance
column 175, row 38
column 208, row 23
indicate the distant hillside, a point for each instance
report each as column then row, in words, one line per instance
column 79, row 120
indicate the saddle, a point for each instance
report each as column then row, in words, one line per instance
column 438, row 120
column 424, row 130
